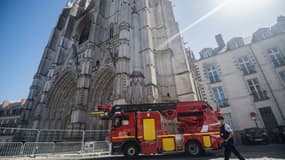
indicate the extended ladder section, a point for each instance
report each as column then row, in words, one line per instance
column 143, row 107
column 107, row 111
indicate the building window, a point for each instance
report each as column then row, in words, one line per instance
column 264, row 36
column 213, row 75
column 228, row 119
column 209, row 54
column 282, row 75
column 85, row 33
column 220, row 99
column 236, row 44
column 256, row 91
column 111, row 32
column 283, row 28
column 246, row 66
column 276, row 57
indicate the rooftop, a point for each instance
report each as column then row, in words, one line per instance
column 8, row 104
column 237, row 42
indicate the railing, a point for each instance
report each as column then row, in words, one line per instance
column 279, row 62
column 32, row 142
column 215, row 80
column 10, row 148
column 261, row 96
column 223, row 103
column 248, row 70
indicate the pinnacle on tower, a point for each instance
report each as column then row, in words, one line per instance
column 69, row 3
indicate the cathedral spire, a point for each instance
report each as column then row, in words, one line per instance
column 69, row 4
column 77, row 6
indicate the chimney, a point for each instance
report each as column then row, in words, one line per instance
column 5, row 104
column 280, row 19
column 23, row 102
column 220, row 41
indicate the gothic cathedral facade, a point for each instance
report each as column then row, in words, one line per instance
column 108, row 52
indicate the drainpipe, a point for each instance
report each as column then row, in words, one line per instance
column 268, row 84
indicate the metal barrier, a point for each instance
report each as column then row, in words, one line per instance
column 31, row 142
column 10, row 148
column 64, row 147
column 32, row 148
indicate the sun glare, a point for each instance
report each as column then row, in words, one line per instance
column 246, row 5
column 245, row 2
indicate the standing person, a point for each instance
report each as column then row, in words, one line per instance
column 227, row 134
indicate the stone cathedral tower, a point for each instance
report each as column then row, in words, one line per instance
column 108, row 52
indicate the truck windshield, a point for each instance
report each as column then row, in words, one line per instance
column 120, row 121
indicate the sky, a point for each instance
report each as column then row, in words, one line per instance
column 238, row 18
column 26, row 27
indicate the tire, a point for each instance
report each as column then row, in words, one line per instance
column 194, row 148
column 130, row 150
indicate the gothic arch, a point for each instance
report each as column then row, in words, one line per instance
column 83, row 27
column 61, row 99
column 84, row 33
column 102, row 86
column 101, row 93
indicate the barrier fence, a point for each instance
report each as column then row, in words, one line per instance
column 31, row 142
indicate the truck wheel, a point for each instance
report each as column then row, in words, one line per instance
column 193, row 148
column 130, row 150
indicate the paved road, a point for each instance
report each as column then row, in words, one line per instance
column 260, row 152
column 252, row 152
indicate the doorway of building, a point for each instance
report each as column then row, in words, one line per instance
column 268, row 118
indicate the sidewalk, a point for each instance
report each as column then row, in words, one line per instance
column 64, row 156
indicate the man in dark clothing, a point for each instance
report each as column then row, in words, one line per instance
column 227, row 134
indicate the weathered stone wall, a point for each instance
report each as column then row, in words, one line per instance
column 104, row 52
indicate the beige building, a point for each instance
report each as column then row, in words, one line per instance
column 246, row 78
column 11, row 116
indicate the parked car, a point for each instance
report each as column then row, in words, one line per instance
column 254, row 136
column 278, row 134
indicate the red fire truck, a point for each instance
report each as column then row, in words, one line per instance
column 190, row 127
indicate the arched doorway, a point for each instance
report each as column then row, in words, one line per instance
column 60, row 102
column 101, row 93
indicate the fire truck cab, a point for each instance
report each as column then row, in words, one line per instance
column 190, row 127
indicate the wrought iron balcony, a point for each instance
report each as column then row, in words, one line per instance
column 279, row 62
column 212, row 80
column 261, row 96
column 223, row 103
column 248, row 70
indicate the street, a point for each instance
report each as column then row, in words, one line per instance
column 271, row 151
column 251, row 152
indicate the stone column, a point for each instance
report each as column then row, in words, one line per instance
column 122, row 65
column 179, row 60
column 41, row 109
column 150, row 81
column 32, row 99
column 79, row 112
column 137, row 77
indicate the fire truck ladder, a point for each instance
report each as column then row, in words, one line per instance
column 143, row 107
